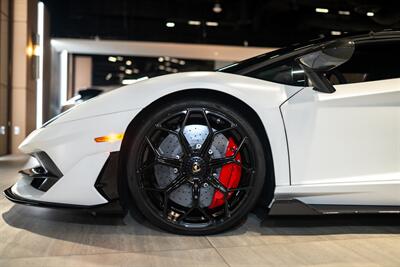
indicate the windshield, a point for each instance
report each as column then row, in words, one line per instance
column 246, row 65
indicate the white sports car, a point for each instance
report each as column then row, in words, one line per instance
column 310, row 129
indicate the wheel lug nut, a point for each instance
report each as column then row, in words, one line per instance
column 177, row 157
column 218, row 121
column 205, row 185
column 210, row 152
column 198, row 146
column 175, row 170
column 214, row 174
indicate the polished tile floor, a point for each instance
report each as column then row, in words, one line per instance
column 32, row 236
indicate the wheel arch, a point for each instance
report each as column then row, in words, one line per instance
column 269, row 185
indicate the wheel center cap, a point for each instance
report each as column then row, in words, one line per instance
column 196, row 167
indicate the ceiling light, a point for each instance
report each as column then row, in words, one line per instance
column 321, row 10
column 121, row 68
column 112, row 59
column 161, row 67
column 170, row 24
column 344, row 12
column 160, row 59
column 370, row 14
column 194, row 22
column 174, row 60
column 128, row 62
column 212, row 23
column 217, row 8
column 182, row 62
column 108, row 76
column 120, row 58
column 128, row 71
column 136, row 71
column 336, row 32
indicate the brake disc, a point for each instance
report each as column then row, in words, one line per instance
column 170, row 147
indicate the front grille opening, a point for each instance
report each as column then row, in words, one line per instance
column 37, row 182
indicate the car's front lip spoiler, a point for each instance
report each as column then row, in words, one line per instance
column 20, row 200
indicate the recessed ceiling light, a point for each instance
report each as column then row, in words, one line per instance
column 370, row 14
column 160, row 59
column 128, row 62
column 321, row 10
column 336, row 32
column 344, row 12
column 170, row 24
column 217, row 8
column 112, row 59
column 128, row 71
column 120, row 58
column 194, row 22
column 108, row 76
column 212, row 23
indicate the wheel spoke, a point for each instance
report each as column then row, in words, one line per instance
column 171, row 162
column 160, row 159
column 244, row 140
column 177, row 182
column 195, row 193
column 184, row 216
column 155, row 150
column 204, row 212
column 226, row 206
column 182, row 138
column 210, row 136
column 217, row 184
column 161, row 128
column 233, row 127
column 219, row 162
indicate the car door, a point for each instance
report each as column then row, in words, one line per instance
column 351, row 136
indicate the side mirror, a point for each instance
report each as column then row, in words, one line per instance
column 326, row 58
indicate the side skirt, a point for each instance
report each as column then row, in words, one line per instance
column 297, row 207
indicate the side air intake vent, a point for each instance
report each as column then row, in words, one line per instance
column 45, row 175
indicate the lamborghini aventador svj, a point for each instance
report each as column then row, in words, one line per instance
column 307, row 129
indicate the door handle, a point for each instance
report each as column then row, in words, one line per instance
column 2, row 130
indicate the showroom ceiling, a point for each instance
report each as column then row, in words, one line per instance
column 234, row 22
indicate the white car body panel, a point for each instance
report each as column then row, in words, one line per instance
column 69, row 140
column 345, row 147
column 72, row 147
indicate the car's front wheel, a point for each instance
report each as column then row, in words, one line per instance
column 195, row 166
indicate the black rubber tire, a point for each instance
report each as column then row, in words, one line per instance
column 158, row 113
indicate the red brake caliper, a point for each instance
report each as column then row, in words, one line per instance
column 229, row 175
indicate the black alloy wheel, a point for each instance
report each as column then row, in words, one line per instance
column 195, row 167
